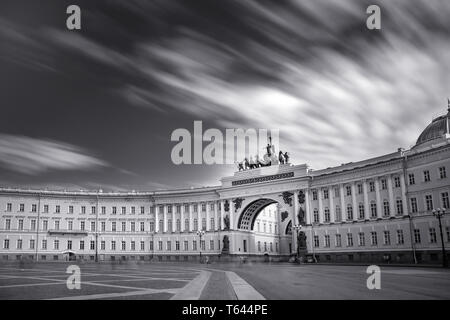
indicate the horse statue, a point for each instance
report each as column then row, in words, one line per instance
column 246, row 164
column 286, row 157
column 281, row 157
column 240, row 166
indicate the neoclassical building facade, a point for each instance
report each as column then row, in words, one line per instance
column 380, row 209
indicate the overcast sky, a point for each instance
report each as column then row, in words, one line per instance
column 95, row 108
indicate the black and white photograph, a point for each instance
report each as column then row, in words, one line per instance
column 213, row 152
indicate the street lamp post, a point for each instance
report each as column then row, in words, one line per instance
column 297, row 229
column 200, row 233
column 438, row 213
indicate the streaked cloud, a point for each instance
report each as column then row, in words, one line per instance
column 33, row 156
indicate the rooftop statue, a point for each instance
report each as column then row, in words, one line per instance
column 268, row 159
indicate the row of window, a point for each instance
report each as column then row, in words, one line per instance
column 133, row 245
column 386, row 209
column 133, row 226
column 264, row 227
column 384, row 184
column 266, row 248
column 374, row 238
column 114, row 209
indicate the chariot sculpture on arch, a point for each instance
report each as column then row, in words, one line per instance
column 268, row 159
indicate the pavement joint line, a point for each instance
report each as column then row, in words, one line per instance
column 116, row 295
column 193, row 290
column 29, row 285
column 242, row 289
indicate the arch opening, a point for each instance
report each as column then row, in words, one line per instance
column 248, row 216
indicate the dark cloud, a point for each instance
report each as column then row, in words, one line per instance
column 140, row 69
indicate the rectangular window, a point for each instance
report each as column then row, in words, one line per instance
column 8, row 224
column 19, row 244
column 442, row 173
column 338, row 240
column 133, row 226
column 113, row 245
column 70, row 225
column 426, row 176
column 361, row 239
column 103, row 245
column 386, row 209
column 114, row 210
column 387, row 237
column 349, row 212
column 186, row 245
column 70, row 209
column 327, row 240
column 338, row 214
column 82, row 245
column 45, row 225
column 142, row 245
column 373, row 210
column 433, row 238
column 168, row 245
column 103, row 210
column 124, row 226
column 33, row 224
column 56, row 225
column 316, row 216
column 133, row 245
column 372, row 186
column 22, row 207
column 360, row 188
column 32, row 243
column 383, row 184
column 412, row 179
column 445, row 200
column 142, row 226
column 374, row 237
column 45, row 208
column 325, row 194
column 194, row 245
column 177, row 245
column 397, row 182
column 44, row 244
column 82, row 225
column 83, row 210
column 133, row 210
column 327, row 215
column 6, row 244
column 9, row 207
column 316, row 241
column 152, row 226
column 349, row 240
column 20, row 224
column 124, row 246
column 417, row 236
column 58, row 209
column 413, row 205
column 103, row 226
column 151, row 246
column 33, row 208
column 124, row 210
column 429, row 202
column 349, row 190
column 314, row 194
column 93, row 210
column 69, row 244
column 399, row 203
column 56, row 244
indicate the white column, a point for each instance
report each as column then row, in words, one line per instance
column 216, row 215
column 191, row 218
column 156, row 218
column 307, row 207
column 174, row 218
column 366, row 201
column 332, row 209
column 391, row 196
column 343, row 208
column 182, row 218
column 319, row 196
column 208, row 217
column 378, row 198
column 222, row 214
column 354, row 203
column 165, row 218
column 295, row 222
column 404, row 199
column 231, row 212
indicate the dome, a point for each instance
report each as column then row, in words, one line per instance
column 436, row 129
